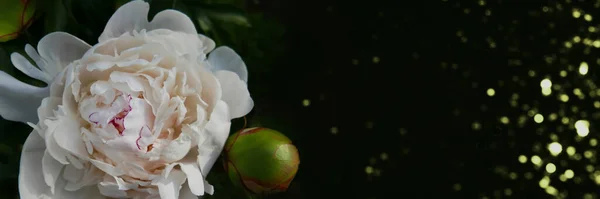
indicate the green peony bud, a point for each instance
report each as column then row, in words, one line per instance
column 16, row 16
column 261, row 160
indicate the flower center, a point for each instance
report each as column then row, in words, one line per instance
column 125, row 122
column 118, row 120
column 122, row 104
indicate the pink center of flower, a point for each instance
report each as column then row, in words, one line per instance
column 118, row 121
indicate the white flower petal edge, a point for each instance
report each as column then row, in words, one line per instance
column 141, row 114
column 19, row 101
column 218, row 129
column 30, row 175
column 232, row 73
column 30, row 185
column 133, row 16
column 235, row 93
column 224, row 58
column 57, row 50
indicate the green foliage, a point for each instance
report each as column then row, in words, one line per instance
column 225, row 21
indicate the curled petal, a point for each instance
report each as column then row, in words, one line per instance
column 133, row 17
column 208, row 188
column 186, row 193
column 177, row 149
column 129, row 17
column 168, row 169
column 109, row 187
column 59, row 49
column 19, row 101
column 235, row 94
column 170, row 186
column 207, row 42
column 172, row 20
column 194, row 178
column 133, row 82
column 224, row 58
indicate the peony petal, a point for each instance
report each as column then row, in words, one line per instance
column 68, row 136
column 217, row 129
column 28, row 69
column 59, row 49
column 19, row 101
column 165, row 173
column 76, row 162
column 31, row 185
column 72, row 174
column 78, row 178
column 169, row 187
column 224, row 58
column 46, row 109
column 33, row 54
column 208, row 188
column 88, row 192
column 58, row 85
column 51, row 170
column 186, row 193
column 132, row 81
column 235, row 93
column 123, row 185
column 207, row 43
column 108, row 168
column 195, row 180
column 110, row 187
column 52, row 147
column 30, row 171
column 177, row 149
column 172, row 20
column 129, row 17
column 211, row 89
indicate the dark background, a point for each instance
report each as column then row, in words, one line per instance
column 397, row 92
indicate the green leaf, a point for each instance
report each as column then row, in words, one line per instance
column 5, row 64
column 88, row 23
column 225, row 13
column 205, row 23
column 56, row 18
column 5, row 149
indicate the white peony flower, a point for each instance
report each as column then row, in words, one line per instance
column 142, row 114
